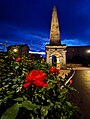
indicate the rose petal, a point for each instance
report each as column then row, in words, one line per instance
column 54, row 70
column 40, row 77
column 26, row 84
column 29, row 78
column 18, row 59
column 45, row 85
column 38, row 83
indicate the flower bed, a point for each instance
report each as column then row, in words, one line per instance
column 31, row 89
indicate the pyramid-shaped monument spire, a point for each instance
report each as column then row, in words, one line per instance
column 54, row 31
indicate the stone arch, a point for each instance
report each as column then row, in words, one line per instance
column 59, row 52
column 57, row 57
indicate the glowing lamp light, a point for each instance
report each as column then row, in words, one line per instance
column 15, row 50
column 88, row 51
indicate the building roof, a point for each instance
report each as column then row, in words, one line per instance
column 23, row 45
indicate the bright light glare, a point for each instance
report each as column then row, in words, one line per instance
column 88, row 51
column 15, row 50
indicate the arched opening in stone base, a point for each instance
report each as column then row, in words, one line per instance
column 54, row 60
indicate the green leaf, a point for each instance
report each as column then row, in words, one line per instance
column 29, row 105
column 16, row 67
column 6, row 86
column 31, row 116
column 19, row 99
column 72, row 88
column 44, row 110
column 1, row 102
column 10, row 92
column 69, row 104
column 14, row 86
column 11, row 112
column 25, row 98
column 10, row 96
column 0, row 89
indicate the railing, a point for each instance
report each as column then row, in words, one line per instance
column 68, row 77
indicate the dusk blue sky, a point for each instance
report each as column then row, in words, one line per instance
column 28, row 22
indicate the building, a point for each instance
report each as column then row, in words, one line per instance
column 34, row 56
column 78, row 55
column 18, row 49
column 55, row 51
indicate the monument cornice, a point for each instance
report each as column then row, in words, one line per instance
column 56, row 46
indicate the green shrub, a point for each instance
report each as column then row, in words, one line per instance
column 35, row 101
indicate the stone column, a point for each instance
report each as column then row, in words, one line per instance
column 58, row 62
column 64, row 54
column 47, row 57
column 50, row 60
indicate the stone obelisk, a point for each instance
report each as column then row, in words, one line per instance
column 55, row 31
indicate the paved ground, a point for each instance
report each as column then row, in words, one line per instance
column 63, row 72
column 81, row 81
column 81, row 68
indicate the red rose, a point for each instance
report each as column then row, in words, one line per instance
column 18, row 59
column 29, row 78
column 45, row 85
column 71, row 81
column 26, row 84
column 38, row 83
column 54, row 70
column 35, row 77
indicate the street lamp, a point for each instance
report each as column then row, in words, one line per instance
column 15, row 50
column 88, row 51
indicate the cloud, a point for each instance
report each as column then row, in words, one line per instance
column 12, row 35
column 74, row 42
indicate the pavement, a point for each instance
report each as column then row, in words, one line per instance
column 66, row 71
column 81, row 82
column 81, row 68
